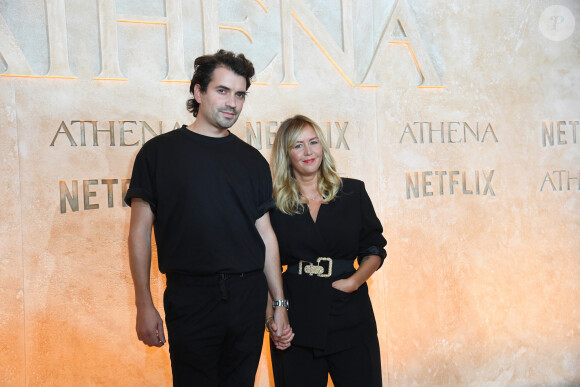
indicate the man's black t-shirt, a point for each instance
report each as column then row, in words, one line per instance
column 206, row 194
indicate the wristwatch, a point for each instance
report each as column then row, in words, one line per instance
column 283, row 303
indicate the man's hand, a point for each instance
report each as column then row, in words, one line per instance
column 281, row 332
column 150, row 326
column 149, row 323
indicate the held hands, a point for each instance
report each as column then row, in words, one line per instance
column 150, row 326
column 280, row 331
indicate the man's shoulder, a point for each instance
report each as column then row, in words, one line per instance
column 172, row 135
column 164, row 140
column 246, row 148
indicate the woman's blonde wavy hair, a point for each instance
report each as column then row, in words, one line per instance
column 286, row 190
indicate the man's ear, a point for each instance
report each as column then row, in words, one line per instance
column 197, row 92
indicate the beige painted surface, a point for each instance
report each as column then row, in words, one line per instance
column 12, row 322
column 481, row 285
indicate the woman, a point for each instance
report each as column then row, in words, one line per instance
column 323, row 223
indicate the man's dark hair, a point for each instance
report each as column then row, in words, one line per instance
column 205, row 66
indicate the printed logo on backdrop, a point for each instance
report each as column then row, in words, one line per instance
column 560, row 134
column 94, row 194
column 296, row 18
column 557, row 23
column 260, row 134
column 424, row 184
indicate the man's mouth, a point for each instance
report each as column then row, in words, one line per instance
column 229, row 113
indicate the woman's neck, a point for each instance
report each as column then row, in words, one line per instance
column 308, row 185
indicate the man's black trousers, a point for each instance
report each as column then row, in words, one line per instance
column 216, row 328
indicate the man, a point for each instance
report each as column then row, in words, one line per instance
column 207, row 194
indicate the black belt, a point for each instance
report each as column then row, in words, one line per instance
column 324, row 267
column 208, row 280
column 183, row 277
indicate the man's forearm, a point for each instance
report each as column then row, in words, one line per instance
column 140, row 263
column 140, row 250
column 273, row 273
column 272, row 268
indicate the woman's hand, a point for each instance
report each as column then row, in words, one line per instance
column 368, row 265
column 346, row 285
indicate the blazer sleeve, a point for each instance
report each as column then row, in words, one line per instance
column 371, row 240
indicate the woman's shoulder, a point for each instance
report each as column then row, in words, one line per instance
column 351, row 189
column 351, row 185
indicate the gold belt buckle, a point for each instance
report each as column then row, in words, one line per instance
column 317, row 270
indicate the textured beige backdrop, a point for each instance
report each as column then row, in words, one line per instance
column 481, row 286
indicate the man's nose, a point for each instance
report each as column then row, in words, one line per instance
column 231, row 100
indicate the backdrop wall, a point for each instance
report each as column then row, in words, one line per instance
column 460, row 116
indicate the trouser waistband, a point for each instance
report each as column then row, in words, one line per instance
column 211, row 279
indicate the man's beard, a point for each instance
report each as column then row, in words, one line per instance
column 224, row 122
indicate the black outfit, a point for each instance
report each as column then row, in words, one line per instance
column 334, row 331
column 206, row 194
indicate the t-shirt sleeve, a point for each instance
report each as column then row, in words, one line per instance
column 266, row 201
column 371, row 240
column 142, row 179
